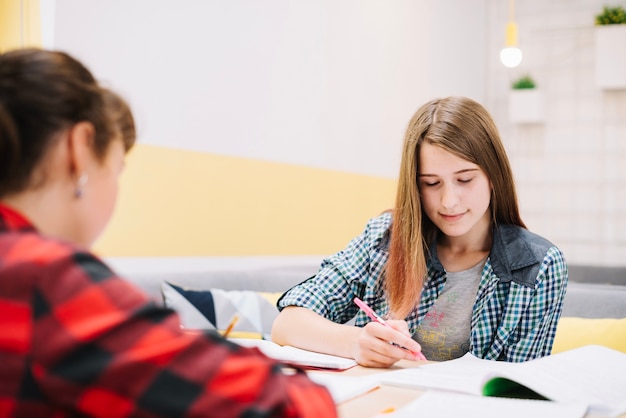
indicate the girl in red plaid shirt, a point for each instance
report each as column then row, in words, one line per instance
column 76, row 340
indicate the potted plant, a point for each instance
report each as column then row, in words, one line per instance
column 611, row 16
column 610, row 44
column 525, row 101
column 525, row 82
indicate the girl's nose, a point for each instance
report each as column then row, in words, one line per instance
column 449, row 197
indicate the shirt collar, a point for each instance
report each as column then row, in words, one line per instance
column 510, row 253
column 12, row 220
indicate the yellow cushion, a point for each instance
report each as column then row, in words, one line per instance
column 244, row 334
column 576, row 332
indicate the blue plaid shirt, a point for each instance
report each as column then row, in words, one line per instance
column 517, row 307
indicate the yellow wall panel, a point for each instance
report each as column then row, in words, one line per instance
column 20, row 24
column 184, row 203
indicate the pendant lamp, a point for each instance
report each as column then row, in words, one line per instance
column 511, row 55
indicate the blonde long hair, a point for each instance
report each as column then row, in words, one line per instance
column 464, row 128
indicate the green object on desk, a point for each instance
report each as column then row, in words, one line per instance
column 506, row 388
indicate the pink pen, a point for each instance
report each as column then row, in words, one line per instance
column 375, row 317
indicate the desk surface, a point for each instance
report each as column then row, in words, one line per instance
column 381, row 399
column 386, row 397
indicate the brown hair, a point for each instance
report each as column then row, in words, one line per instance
column 464, row 128
column 41, row 93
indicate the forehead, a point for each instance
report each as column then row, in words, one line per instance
column 436, row 160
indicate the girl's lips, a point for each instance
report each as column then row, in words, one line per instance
column 452, row 218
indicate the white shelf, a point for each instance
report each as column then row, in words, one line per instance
column 610, row 56
column 526, row 106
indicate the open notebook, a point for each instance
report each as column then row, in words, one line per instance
column 448, row 404
column 298, row 356
column 591, row 375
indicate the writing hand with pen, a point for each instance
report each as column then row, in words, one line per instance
column 381, row 343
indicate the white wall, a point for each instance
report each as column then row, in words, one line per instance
column 570, row 168
column 327, row 84
column 332, row 84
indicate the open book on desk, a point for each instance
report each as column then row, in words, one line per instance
column 298, row 356
column 593, row 375
column 435, row 403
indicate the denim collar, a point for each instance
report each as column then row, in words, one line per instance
column 514, row 250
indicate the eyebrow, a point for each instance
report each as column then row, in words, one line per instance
column 465, row 170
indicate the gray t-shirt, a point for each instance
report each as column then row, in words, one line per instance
column 445, row 330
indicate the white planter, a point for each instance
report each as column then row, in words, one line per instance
column 526, row 106
column 610, row 56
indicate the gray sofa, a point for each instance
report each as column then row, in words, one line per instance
column 593, row 291
column 269, row 279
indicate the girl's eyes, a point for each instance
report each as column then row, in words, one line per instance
column 435, row 183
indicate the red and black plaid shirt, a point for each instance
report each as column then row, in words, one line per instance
column 76, row 340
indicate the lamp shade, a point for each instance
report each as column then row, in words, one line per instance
column 511, row 56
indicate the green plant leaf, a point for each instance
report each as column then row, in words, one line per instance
column 611, row 16
column 525, row 82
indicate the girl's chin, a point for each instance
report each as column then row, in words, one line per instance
column 453, row 231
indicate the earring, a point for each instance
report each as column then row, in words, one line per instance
column 80, row 183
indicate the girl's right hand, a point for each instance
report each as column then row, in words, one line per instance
column 380, row 346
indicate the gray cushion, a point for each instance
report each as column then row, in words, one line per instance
column 594, row 301
column 597, row 274
column 271, row 279
column 586, row 296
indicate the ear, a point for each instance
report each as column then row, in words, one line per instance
column 80, row 147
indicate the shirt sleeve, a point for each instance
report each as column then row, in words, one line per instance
column 350, row 273
column 537, row 325
column 101, row 348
